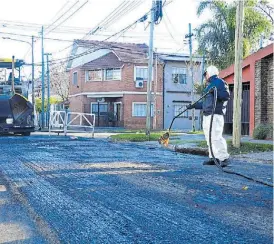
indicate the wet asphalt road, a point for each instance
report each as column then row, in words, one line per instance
column 96, row 191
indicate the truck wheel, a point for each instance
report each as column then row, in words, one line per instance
column 26, row 134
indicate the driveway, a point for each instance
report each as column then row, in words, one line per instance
column 95, row 191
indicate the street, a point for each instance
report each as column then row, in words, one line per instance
column 79, row 190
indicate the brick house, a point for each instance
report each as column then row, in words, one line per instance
column 109, row 80
column 257, row 75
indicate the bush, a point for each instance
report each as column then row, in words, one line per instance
column 263, row 132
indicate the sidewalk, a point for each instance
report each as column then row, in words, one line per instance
column 187, row 143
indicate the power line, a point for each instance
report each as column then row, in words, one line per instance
column 124, row 8
column 111, row 17
column 63, row 6
column 124, row 12
column 101, row 23
column 69, row 16
column 61, row 16
column 121, row 31
column 47, row 38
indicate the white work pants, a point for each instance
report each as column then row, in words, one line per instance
column 219, row 145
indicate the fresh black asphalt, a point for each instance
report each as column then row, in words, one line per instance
column 98, row 191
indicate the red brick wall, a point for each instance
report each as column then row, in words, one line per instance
column 248, row 75
column 140, row 122
column 127, row 83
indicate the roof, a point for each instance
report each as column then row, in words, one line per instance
column 126, row 52
column 109, row 60
column 177, row 57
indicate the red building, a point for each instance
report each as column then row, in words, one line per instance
column 109, row 79
column 257, row 80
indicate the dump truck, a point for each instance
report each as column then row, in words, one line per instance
column 16, row 112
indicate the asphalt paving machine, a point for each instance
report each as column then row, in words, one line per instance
column 16, row 112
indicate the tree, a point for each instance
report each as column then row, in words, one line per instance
column 59, row 79
column 267, row 9
column 217, row 36
column 38, row 103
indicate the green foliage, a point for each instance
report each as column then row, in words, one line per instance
column 217, row 36
column 199, row 88
column 246, row 147
column 137, row 137
column 197, row 132
column 38, row 103
column 263, row 132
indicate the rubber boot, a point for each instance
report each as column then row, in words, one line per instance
column 225, row 163
column 209, row 162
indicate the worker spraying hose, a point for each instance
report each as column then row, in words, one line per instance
column 219, row 145
column 213, row 103
column 206, row 103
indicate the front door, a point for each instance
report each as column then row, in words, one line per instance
column 101, row 112
column 228, row 126
column 117, row 114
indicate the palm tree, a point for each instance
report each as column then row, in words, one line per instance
column 216, row 36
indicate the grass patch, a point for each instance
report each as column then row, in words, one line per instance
column 197, row 132
column 246, row 147
column 136, row 137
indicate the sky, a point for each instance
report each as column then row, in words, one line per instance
column 31, row 15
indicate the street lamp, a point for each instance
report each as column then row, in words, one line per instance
column 32, row 63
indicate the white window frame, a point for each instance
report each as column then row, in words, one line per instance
column 105, row 74
column 182, row 106
column 87, row 75
column 75, row 84
column 178, row 73
column 142, row 67
column 105, row 103
column 142, row 103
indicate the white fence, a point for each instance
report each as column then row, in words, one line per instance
column 60, row 121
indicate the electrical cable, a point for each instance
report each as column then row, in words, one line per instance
column 69, row 16
column 101, row 23
column 60, row 17
column 117, row 33
column 63, row 6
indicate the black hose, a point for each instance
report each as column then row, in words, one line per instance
column 178, row 115
column 211, row 150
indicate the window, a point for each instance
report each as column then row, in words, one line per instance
column 141, row 73
column 75, row 78
column 179, row 108
column 179, row 75
column 113, row 74
column 94, row 75
column 140, row 110
column 103, row 108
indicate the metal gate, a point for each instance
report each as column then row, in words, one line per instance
column 228, row 127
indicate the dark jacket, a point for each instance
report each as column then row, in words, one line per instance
column 222, row 97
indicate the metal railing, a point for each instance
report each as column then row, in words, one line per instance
column 62, row 121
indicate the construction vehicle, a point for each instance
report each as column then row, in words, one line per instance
column 16, row 112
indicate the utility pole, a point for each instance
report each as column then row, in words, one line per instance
column 189, row 35
column 237, row 102
column 32, row 71
column 155, row 91
column 48, row 86
column 150, row 67
column 43, row 81
column 12, row 75
column 202, row 82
